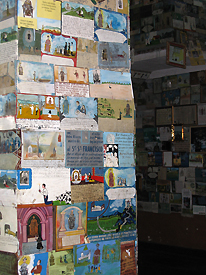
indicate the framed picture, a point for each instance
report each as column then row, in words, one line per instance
column 203, row 93
column 164, row 116
column 185, row 115
column 176, row 55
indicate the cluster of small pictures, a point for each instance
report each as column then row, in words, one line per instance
column 67, row 170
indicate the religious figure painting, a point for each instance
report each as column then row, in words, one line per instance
column 35, row 78
column 55, row 46
column 100, row 257
column 10, row 149
column 33, row 264
column 71, row 225
column 36, row 229
column 37, row 107
column 43, row 145
column 113, row 55
column 71, row 75
column 110, row 26
column 61, row 262
column 115, row 115
column 119, row 183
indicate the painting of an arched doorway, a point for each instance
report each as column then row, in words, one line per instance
column 71, row 223
column 34, row 223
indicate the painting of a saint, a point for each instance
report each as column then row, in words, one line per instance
column 71, row 220
column 33, row 227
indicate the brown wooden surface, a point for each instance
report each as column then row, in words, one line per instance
column 172, row 229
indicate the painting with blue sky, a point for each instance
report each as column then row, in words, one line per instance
column 7, row 105
column 78, row 107
column 106, row 76
column 33, row 263
column 111, row 217
column 119, row 183
column 35, row 72
column 59, row 45
column 102, row 257
column 110, row 20
column 7, row 9
column 78, row 10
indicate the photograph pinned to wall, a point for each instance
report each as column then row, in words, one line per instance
column 7, row 105
column 7, row 10
column 186, row 201
column 102, row 257
column 180, row 159
column 44, row 188
column 203, row 93
column 87, row 184
column 128, row 259
column 55, row 47
column 113, row 55
column 163, row 186
column 110, row 84
column 110, row 26
column 195, row 94
column 185, row 115
column 201, row 113
column 113, row 218
column 71, row 81
column 157, row 85
column 34, row 236
column 164, row 116
column 184, row 95
column 29, row 41
column 71, row 75
column 198, row 139
column 84, row 149
column 176, row 55
column 10, row 262
column 118, row 149
column 9, row 34
column 115, row 115
column 61, row 261
column 122, row 6
column 71, row 225
column 37, row 107
column 169, row 82
column 8, row 226
column 172, row 174
column 10, row 150
column 195, row 52
column 42, row 147
column 171, row 97
column 24, row 178
column 119, row 183
column 75, row 110
column 195, row 160
column 87, row 53
column 8, row 186
column 33, row 264
column 189, row 23
column 77, row 20
column 34, row 77
column 183, row 80
column 7, row 78
column 33, row 13
column 152, row 139
column 167, row 159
